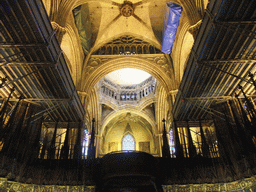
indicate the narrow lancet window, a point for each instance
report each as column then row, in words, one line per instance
column 85, row 142
column 128, row 143
column 171, row 143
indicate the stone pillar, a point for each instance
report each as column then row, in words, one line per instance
column 97, row 145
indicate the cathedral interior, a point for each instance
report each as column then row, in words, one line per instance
column 118, row 95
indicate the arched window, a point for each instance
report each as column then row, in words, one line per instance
column 85, row 143
column 171, row 143
column 128, row 142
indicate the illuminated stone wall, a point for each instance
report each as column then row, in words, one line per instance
column 116, row 133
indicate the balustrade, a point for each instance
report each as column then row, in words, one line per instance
column 128, row 93
column 127, row 45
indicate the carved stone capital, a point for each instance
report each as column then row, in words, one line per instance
column 160, row 60
column 57, row 27
column 59, row 30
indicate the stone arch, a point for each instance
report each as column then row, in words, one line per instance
column 162, row 107
column 115, row 114
column 186, row 47
column 93, row 107
column 109, row 104
column 147, row 102
column 114, row 129
column 178, row 47
column 158, row 67
column 72, row 48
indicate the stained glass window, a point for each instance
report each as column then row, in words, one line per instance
column 171, row 143
column 85, row 142
column 245, row 106
column 128, row 142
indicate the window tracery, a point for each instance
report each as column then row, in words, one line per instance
column 128, row 142
column 127, row 45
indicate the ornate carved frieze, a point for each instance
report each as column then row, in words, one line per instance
column 247, row 184
column 160, row 60
column 163, row 63
column 159, row 64
column 96, row 61
column 127, row 45
column 6, row 185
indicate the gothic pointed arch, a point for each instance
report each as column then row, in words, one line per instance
column 115, row 117
column 128, row 142
column 158, row 66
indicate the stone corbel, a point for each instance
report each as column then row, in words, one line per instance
column 194, row 28
column 82, row 93
column 173, row 94
column 83, row 96
column 59, row 30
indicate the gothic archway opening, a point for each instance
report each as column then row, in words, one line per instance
column 104, row 97
column 120, row 98
column 114, row 136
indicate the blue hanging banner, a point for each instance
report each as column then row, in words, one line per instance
column 170, row 26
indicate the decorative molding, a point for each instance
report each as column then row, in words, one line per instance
column 156, row 64
column 160, row 60
column 247, row 184
column 6, row 185
column 164, row 64
column 96, row 61
column 127, row 45
column 244, row 184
